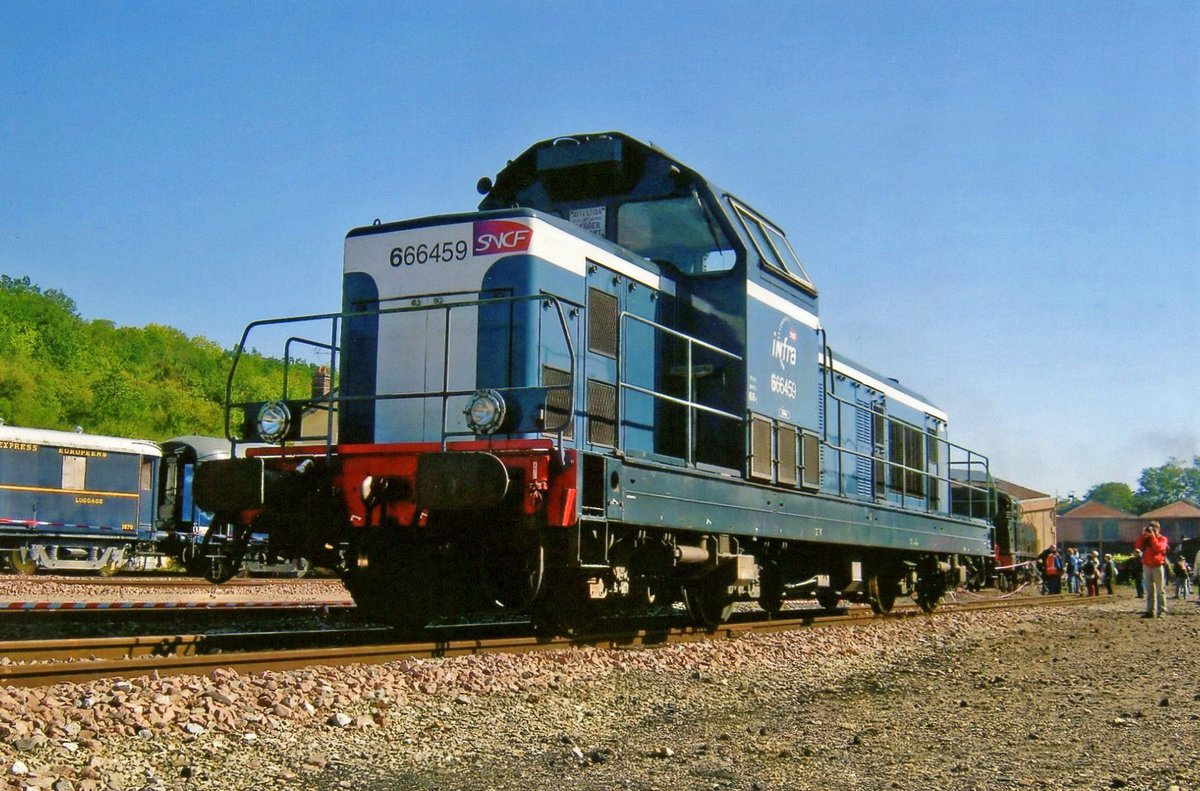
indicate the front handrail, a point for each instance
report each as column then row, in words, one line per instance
column 416, row 303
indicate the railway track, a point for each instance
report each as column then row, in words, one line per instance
column 29, row 663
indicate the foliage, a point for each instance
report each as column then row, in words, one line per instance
column 1114, row 495
column 1169, row 483
column 59, row 371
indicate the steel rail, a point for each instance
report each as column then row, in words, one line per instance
column 88, row 660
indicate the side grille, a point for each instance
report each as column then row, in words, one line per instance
column 558, row 402
column 603, row 323
column 760, row 449
column 812, row 461
column 786, row 441
column 602, row 413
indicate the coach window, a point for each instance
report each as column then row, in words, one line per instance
column 773, row 247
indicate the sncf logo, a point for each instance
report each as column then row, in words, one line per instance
column 501, row 236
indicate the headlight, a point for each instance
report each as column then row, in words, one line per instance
column 274, row 420
column 485, row 411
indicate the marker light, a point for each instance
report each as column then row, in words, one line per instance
column 485, row 411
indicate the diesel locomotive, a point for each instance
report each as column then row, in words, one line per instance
column 607, row 387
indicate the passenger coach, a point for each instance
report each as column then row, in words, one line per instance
column 74, row 501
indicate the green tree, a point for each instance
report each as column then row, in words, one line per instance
column 1169, row 483
column 1114, row 495
column 60, row 371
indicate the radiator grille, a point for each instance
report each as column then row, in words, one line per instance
column 812, row 461
column 603, row 323
column 558, row 402
column 864, row 467
column 785, row 440
column 760, row 449
column 602, row 414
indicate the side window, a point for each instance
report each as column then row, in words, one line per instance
column 74, row 472
column 146, row 475
column 773, row 247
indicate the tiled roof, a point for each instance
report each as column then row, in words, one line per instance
column 1093, row 509
column 1018, row 492
column 1176, row 510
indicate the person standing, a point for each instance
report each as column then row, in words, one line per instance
column 1071, row 570
column 1053, row 574
column 1153, row 545
column 1091, row 573
column 1183, row 576
column 1108, row 571
column 1135, row 571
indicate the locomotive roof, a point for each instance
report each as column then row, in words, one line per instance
column 600, row 160
column 562, row 174
column 887, row 385
column 77, row 440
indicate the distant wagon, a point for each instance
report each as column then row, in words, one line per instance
column 73, row 501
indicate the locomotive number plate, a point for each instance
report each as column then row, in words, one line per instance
column 425, row 252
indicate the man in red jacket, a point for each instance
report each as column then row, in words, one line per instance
column 1154, row 560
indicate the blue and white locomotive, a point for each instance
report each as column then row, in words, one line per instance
column 609, row 385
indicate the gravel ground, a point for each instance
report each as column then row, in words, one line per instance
column 1085, row 696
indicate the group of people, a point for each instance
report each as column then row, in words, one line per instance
column 1149, row 567
column 1082, row 573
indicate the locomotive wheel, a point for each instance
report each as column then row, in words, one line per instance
column 392, row 581
column 566, row 607
column 928, row 601
column 930, row 586
column 881, row 593
column 27, row 567
column 709, row 604
column 518, row 580
column 222, row 549
column 928, row 593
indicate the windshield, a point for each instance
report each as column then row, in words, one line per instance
column 677, row 230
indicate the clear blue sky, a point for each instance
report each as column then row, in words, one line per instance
column 999, row 201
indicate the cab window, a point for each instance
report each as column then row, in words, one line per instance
column 681, row 231
column 772, row 246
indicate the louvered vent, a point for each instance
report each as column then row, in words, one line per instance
column 603, row 323
column 863, row 465
column 602, row 413
column 760, row 449
column 812, row 461
column 558, row 401
column 785, row 443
